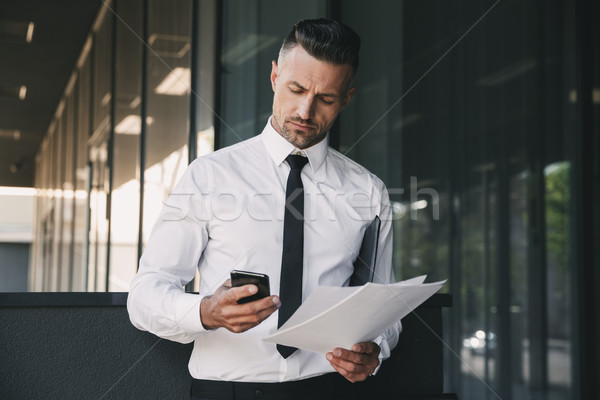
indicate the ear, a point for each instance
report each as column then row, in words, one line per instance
column 348, row 97
column 274, row 72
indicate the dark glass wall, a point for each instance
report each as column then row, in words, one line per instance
column 251, row 35
column 460, row 108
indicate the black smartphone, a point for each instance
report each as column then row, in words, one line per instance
column 241, row 278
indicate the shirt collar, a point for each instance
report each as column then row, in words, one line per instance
column 279, row 148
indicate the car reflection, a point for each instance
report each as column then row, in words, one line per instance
column 479, row 340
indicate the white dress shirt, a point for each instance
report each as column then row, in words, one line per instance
column 227, row 213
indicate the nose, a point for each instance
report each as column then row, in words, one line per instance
column 306, row 107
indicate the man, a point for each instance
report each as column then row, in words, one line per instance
column 230, row 211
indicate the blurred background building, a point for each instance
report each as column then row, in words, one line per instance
column 482, row 117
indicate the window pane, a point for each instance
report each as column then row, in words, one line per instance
column 395, row 136
column 459, row 110
column 68, row 195
column 205, row 112
column 557, row 245
column 54, row 273
column 81, row 180
column 98, row 156
column 169, row 30
column 252, row 34
column 102, row 68
column 125, row 195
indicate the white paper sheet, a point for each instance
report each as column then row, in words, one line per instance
column 343, row 316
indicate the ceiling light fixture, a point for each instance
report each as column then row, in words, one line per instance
column 13, row 134
column 15, row 167
column 135, row 102
column 16, row 31
column 130, row 125
column 29, row 36
column 22, row 92
column 176, row 83
column 175, row 46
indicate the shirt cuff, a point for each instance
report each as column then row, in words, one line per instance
column 188, row 307
column 384, row 351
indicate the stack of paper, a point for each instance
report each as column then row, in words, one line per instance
column 343, row 316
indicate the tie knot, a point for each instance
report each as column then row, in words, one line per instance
column 296, row 162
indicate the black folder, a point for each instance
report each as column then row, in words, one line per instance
column 364, row 266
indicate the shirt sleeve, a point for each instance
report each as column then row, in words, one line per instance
column 384, row 273
column 157, row 300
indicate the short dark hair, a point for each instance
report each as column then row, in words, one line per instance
column 326, row 40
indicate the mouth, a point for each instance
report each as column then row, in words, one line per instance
column 301, row 127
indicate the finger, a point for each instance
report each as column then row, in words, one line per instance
column 350, row 371
column 342, row 372
column 367, row 348
column 240, row 327
column 246, row 320
column 350, row 356
column 262, row 307
column 268, row 307
column 268, row 303
column 239, row 292
column 241, row 317
column 363, row 364
column 349, row 361
column 221, row 294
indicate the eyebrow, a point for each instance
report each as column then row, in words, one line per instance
column 335, row 96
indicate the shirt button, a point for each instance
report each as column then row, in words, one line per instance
column 258, row 393
column 298, row 153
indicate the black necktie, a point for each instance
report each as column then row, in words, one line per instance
column 290, row 288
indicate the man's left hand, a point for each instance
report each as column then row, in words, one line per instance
column 356, row 364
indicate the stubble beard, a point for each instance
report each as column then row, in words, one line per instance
column 298, row 138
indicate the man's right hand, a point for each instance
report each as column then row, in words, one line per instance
column 221, row 310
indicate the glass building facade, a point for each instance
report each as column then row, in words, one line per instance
column 481, row 117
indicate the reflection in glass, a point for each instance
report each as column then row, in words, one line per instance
column 52, row 271
column 80, row 235
column 557, row 246
column 471, row 118
column 169, row 30
column 520, row 283
column 102, row 59
column 125, row 195
column 251, row 36
column 176, row 83
column 98, row 228
column 68, row 189
column 98, row 156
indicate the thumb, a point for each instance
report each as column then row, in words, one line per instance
column 240, row 292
